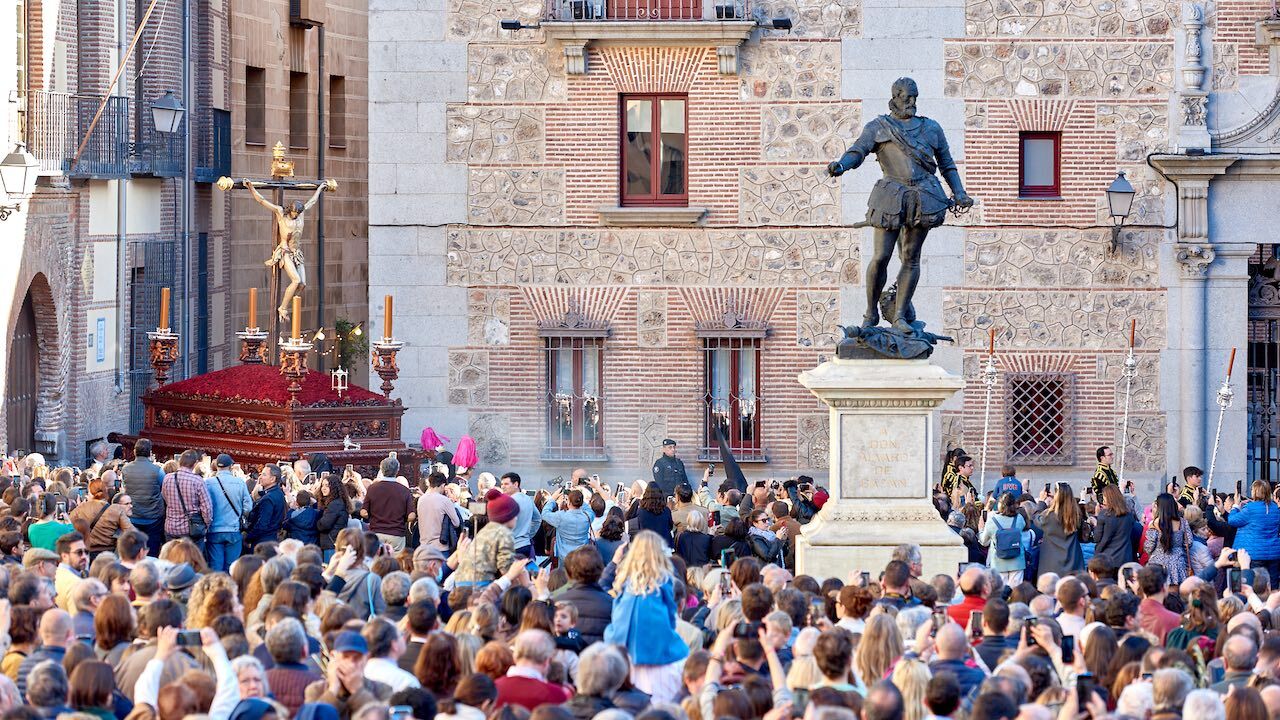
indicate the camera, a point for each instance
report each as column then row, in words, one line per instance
column 747, row 631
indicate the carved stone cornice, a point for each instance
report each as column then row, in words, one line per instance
column 1194, row 258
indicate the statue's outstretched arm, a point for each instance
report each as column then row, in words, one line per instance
column 853, row 157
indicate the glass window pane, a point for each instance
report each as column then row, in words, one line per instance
column 591, row 370
column 564, row 371
column 1038, row 162
column 672, row 116
column 671, row 158
column 638, row 148
column 640, row 116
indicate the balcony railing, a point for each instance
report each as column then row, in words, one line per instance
column 157, row 154
column 646, row 10
column 213, row 146
column 55, row 123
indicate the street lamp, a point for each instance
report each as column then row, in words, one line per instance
column 18, row 176
column 166, row 113
column 1120, row 203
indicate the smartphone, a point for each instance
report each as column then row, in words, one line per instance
column 759, row 483
column 1046, row 488
column 1128, row 576
column 1027, row 626
column 727, row 556
column 975, row 624
column 350, row 469
column 711, row 469
column 1068, row 649
column 1234, row 579
column 1239, row 488
column 817, row 610
column 399, row 712
column 545, row 562
column 939, row 620
column 618, row 491
column 532, row 568
column 596, row 478
column 1085, row 686
column 960, row 566
column 866, row 579
column 61, row 508
column 189, row 638
column 725, row 587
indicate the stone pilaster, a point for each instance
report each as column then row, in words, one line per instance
column 1193, row 254
column 1193, row 98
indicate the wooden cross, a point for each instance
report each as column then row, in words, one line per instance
column 287, row 218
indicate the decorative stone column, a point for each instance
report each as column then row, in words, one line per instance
column 1193, row 254
column 1193, row 99
column 882, row 419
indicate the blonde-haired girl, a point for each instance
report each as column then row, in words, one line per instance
column 644, row 617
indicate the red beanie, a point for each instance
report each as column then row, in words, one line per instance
column 502, row 508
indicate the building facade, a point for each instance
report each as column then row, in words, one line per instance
column 122, row 210
column 615, row 226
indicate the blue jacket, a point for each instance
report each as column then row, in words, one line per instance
column 573, row 527
column 527, row 522
column 646, row 624
column 1258, row 530
column 1008, row 484
column 267, row 516
column 301, row 525
column 224, row 513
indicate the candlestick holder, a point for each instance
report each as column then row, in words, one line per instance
column 253, row 346
column 293, row 365
column 163, row 344
column 384, row 362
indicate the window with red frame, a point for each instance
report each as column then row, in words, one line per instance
column 731, row 400
column 574, row 400
column 654, row 153
column 1039, row 164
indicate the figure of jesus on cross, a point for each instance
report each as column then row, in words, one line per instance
column 286, row 254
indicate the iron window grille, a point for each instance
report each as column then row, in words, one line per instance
column 731, row 400
column 574, row 401
column 1038, row 418
column 646, row 10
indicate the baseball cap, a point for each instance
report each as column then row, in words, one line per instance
column 224, row 460
column 668, row 443
column 35, row 556
column 348, row 641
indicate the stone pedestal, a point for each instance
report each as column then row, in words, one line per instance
column 882, row 468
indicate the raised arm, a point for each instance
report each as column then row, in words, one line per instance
column 315, row 197
column 261, row 200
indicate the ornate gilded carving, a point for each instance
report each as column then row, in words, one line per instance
column 338, row 429
column 220, row 425
column 163, row 346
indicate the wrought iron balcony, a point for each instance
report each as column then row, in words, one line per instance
column 722, row 24
column 157, row 154
column 646, row 10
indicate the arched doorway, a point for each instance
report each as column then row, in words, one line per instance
column 23, row 380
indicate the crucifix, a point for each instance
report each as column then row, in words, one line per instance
column 286, row 255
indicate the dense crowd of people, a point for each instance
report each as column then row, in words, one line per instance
column 186, row 587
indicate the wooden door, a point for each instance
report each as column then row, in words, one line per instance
column 23, row 384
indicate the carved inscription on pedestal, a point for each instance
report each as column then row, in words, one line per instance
column 881, row 457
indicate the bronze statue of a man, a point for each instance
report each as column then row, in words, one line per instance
column 907, row 202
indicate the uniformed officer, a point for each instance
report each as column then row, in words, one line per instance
column 1104, row 475
column 959, row 477
column 668, row 471
column 1193, row 480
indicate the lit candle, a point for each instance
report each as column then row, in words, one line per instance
column 297, row 317
column 1231, row 363
column 253, row 307
column 1133, row 330
column 164, row 309
column 991, row 343
column 386, row 319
